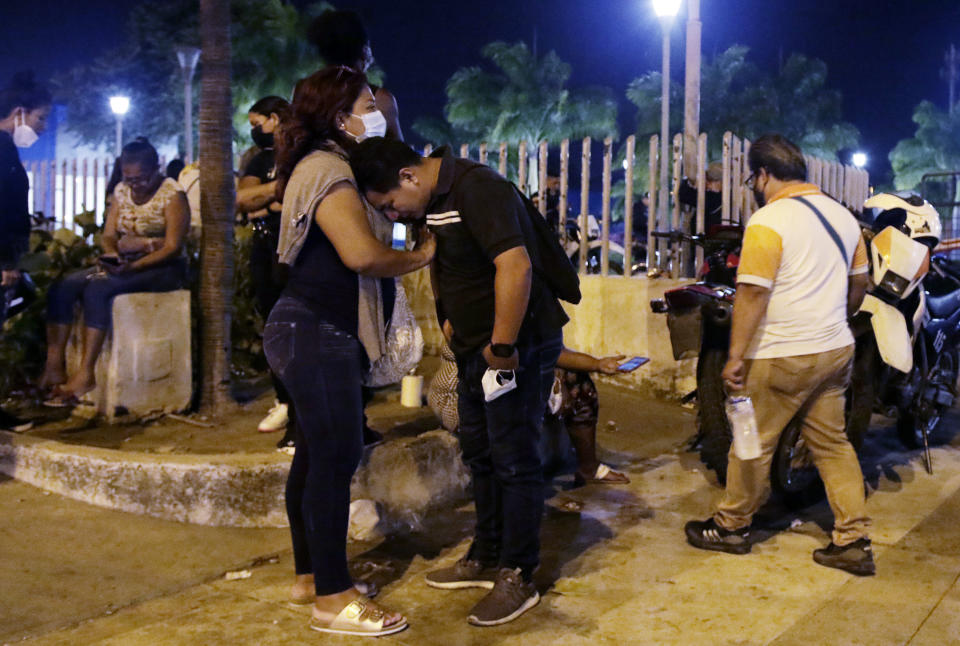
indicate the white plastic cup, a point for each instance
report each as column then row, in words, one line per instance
column 411, row 391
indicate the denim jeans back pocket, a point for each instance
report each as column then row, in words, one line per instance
column 278, row 340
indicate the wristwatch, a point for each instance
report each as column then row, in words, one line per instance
column 502, row 350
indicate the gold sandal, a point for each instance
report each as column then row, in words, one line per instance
column 361, row 618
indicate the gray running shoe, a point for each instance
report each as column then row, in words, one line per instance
column 510, row 598
column 465, row 573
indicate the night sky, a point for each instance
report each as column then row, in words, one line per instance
column 884, row 55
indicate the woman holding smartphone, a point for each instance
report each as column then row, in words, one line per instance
column 142, row 244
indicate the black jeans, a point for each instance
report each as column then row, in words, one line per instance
column 268, row 277
column 321, row 366
column 500, row 445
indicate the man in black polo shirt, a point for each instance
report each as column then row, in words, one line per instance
column 504, row 326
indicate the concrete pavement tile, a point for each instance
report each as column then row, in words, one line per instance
column 907, row 494
column 884, row 609
column 936, row 533
column 58, row 547
column 943, row 624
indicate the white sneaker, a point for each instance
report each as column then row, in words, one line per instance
column 276, row 419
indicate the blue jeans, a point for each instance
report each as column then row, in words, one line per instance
column 500, row 445
column 97, row 291
column 321, row 367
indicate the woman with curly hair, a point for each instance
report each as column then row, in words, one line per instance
column 325, row 328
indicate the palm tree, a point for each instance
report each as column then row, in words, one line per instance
column 524, row 100
column 217, row 206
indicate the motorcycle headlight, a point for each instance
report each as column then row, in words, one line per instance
column 893, row 284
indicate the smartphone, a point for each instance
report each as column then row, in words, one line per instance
column 110, row 260
column 632, row 364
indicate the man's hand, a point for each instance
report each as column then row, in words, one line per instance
column 734, row 375
column 10, row 277
column 610, row 365
column 426, row 244
column 501, row 363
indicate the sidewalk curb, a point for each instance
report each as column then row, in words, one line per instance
column 406, row 476
column 237, row 490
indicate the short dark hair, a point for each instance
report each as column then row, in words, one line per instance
column 376, row 163
column 23, row 91
column 140, row 151
column 270, row 105
column 339, row 37
column 782, row 158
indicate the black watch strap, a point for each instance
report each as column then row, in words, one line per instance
column 502, row 350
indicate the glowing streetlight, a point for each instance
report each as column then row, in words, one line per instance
column 666, row 10
column 119, row 105
column 859, row 159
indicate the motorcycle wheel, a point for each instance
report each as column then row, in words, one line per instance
column 912, row 421
column 714, row 435
column 793, row 474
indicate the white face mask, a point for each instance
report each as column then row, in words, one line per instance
column 374, row 125
column 23, row 135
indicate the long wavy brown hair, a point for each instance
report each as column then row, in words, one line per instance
column 312, row 121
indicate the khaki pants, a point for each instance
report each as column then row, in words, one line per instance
column 779, row 388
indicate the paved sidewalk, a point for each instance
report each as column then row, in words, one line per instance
column 616, row 569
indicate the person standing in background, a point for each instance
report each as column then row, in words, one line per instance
column 256, row 197
column 24, row 108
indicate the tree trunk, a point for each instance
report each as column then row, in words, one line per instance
column 216, row 206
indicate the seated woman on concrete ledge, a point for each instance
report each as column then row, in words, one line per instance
column 142, row 244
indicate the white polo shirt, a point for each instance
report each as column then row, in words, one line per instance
column 788, row 250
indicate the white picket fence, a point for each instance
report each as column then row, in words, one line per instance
column 847, row 184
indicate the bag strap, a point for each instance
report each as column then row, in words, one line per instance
column 826, row 225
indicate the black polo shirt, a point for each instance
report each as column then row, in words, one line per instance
column 476, row 215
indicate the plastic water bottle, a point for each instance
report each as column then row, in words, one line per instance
column 743, row 422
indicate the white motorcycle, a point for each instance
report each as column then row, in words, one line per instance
column 897, row 370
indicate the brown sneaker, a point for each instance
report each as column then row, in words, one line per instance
column 855, row 558
column 465, row 573
column 510, row 598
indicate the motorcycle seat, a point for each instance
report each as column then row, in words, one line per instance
column 944, row 306
column 950, row 267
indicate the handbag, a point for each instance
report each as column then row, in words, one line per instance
column 403, row 348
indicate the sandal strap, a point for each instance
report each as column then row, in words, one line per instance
column 360, row 614
column 602, row 472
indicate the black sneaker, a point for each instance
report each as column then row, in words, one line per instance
column 465, row 573
column 11, row 422
column 707, row 535
column 855, row 558
column 511, row 597
column 288, row 442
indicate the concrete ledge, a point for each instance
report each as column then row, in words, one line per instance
column 236, row 490
column 614, row 317
column 406, row 477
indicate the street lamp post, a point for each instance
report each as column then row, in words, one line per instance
column 119, row 105
column 666, row 10
column 188, row 57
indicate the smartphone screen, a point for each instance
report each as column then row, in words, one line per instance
column 632, row 364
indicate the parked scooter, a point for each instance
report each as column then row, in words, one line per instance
column 698, row 317
column 616, row 254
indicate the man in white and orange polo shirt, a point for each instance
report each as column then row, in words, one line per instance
column 802, row 273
